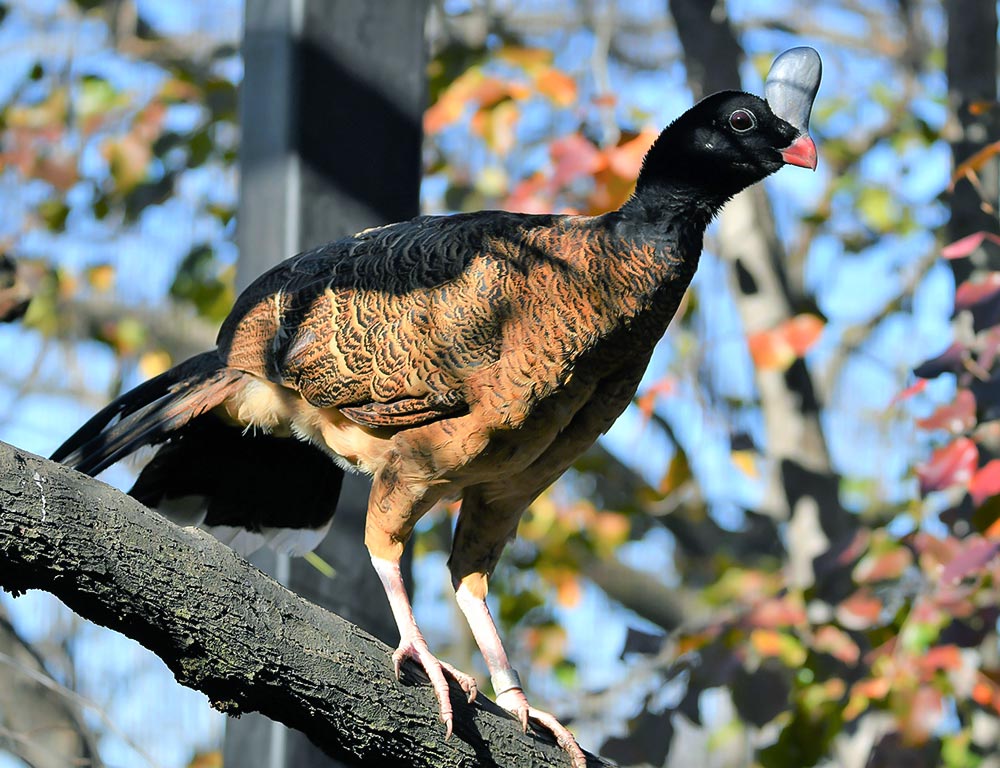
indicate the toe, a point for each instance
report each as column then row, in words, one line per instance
column 435, row 669
column 515, row 702
column 564, row 738
column 466, row 682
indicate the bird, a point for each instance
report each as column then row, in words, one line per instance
column 471, row 356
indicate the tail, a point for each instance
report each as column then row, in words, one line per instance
column 249, row 489
column 148, row 414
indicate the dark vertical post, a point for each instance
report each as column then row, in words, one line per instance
column 332, row 102
column 972, row 90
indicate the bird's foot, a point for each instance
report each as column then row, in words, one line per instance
column 416, row 649
column 515, row 702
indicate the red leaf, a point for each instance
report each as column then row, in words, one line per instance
column 956, row 417
column 986, row 482
column 859, row 611
column 934, row 552
column 777, row 612
column 883, row 566
column 974, row 556
column 940, row 657
column 573, row 156
column 969, row 293
column 916, row 388
column 533, row 195
column 802, row 332
column 968, row 244
column 948, row 466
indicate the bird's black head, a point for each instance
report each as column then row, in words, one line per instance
column 723, row 144
column 730, row 140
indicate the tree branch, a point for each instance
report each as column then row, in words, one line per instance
column 228, row 630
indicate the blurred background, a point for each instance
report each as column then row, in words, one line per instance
column 782, row 555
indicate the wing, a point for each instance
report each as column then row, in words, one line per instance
column 389, row 324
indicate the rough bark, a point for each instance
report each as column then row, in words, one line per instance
column 228, row 630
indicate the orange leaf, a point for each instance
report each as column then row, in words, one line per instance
column 746, row 462
column 770, row 350
column 559, row 87
column 768, row 642
column 974, row 163
column 777, row 348
column 568, row 591
column 872, row 687
column 981, row 107
column 526, row 58
column 625, row 160
column 829, row 639
column 985, row 693
column 441, row 114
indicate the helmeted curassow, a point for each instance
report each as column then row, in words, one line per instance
column 472, row 356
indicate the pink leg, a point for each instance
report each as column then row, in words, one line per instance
column 506, row 683
column 412, row 644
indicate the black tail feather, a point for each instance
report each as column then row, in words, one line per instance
column 207, row 465
column 253, row 481
column 147, row 414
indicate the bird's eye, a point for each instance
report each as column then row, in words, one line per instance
column 742, row 120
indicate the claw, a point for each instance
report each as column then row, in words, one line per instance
column 416, row 649
column 515, row 702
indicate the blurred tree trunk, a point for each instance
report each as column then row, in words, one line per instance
column 333, row 98
column 801, row 484
column 40, row 722
column 971, row 69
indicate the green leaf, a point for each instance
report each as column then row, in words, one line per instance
column 878, row 209
column 200, row 281
column 97, row 97
column 54, row 212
